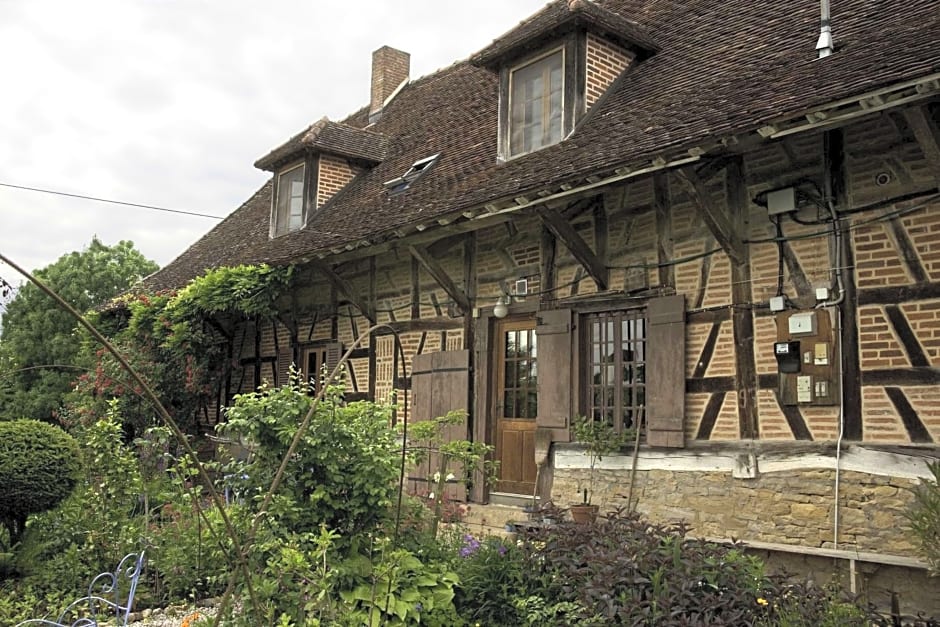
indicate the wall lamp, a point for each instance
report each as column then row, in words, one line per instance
column 501, row 308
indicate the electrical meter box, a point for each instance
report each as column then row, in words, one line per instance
column 806, row 356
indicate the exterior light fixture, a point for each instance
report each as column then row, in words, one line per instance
column 501, row 309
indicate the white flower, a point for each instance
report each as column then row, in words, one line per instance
column 450, row 477
column 437, row 477
column 431, row 496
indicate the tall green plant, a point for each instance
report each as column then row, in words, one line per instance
column 344, row 472
column 38, row 343
column 924, row 517
column 457, row 459
column 599, row 438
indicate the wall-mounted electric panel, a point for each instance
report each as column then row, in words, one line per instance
column 805, row 351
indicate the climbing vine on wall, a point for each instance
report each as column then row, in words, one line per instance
column 181, row 343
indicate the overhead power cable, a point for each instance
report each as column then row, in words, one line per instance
column 113, row 202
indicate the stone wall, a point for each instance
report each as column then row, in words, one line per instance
column 789, row 506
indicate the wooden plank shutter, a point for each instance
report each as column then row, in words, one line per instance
column 285, row 358
column 332, row 355
column 665, row 364
column 555, row 351
column 440, row 382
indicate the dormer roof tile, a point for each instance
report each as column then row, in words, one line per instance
column 559, row 18
column 335, row 138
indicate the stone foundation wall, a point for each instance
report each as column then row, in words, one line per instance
column 791, row 507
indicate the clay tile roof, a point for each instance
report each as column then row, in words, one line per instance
column 558, row 18
column 330, row 137
column 725, row 69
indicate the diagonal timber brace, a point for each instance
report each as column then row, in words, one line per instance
column 563, row 230
column 346, row 289
column 429, row 263
column 716, row 219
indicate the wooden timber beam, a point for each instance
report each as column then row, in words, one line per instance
column 430, row 264
column 664, row 244
column 717, row 221
column 440, row 323
column 346, row 289
column 563, row 230
column 926, row 129
column 745, row 380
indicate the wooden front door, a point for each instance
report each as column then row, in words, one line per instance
column 515, row 404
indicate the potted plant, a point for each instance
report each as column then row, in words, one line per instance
column 598, row 438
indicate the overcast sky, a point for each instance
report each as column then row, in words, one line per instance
column 170, row 102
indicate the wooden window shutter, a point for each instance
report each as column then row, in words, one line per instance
column 554, row 344
column 665, row 368
column 440, row 382
column 285, row 358
column 334, row 352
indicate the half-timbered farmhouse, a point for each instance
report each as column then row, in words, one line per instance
column 714, row 220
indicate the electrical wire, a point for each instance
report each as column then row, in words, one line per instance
column 113, row 202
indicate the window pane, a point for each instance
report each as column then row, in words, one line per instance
column 536, row 104
column 289, row 214
column 616, row 367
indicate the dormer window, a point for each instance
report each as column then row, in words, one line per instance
column 555, row 66
column 536, row 103
column 289, row 201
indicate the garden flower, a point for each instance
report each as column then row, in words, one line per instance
column 471, row 546
column 450, row 477
column 761, row 601
column 437, row 477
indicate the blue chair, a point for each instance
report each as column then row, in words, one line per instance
column 110, row 596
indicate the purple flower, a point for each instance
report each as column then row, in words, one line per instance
column 471, row 545
column 502, row 550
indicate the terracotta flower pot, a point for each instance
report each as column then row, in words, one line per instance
column 584, row 513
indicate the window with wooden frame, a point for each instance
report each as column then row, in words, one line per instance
column 615, row 367
column 536, row 103
column 319, row 360
column 288, row 208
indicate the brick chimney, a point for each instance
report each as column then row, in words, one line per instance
column 390, row 68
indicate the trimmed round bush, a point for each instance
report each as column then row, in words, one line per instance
column 39, row 468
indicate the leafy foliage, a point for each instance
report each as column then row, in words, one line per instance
column 39, row 467
column 626, row 571
column 924, row 518
column 38, row 342
column 343, row 475
column 457, row 459
column 599, row 438
column 178, row 342
column 97, row 521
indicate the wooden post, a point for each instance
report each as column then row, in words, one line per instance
column 745, row 380
column 834, row 171
column 663, row 207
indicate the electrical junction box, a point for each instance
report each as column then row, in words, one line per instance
column 803, row 323
column 781, row 201
column 806, row 355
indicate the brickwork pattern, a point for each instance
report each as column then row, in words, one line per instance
column 334, row 174
column 605, row 62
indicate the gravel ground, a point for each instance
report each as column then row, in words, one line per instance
column 172, row 616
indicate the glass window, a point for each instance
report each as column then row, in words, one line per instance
column 536, row 94
column 520, row 398
column 289, row 212
column 616, row 368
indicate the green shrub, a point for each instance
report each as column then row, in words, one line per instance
column 925, row 518
column 627, row 571
column 492, row 573
column 39, row 468
column 343, row 475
